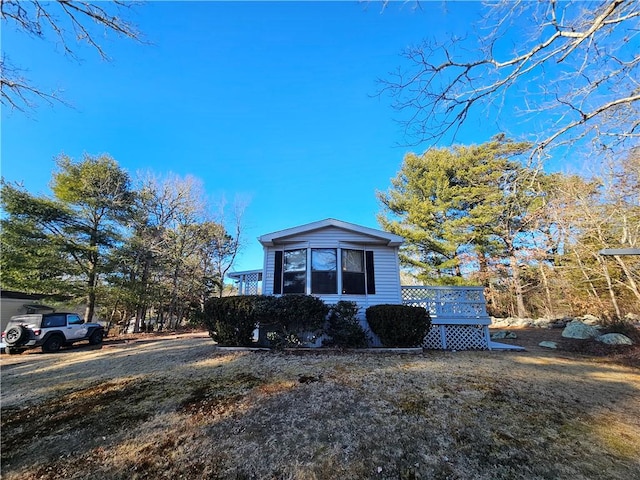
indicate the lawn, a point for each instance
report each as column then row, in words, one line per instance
column 177, row 407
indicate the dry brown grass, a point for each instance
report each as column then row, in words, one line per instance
column 179, row 408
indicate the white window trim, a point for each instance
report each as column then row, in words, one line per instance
column 339, row 247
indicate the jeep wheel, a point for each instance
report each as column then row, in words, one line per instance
column 53, row 344
column 96, row 337
column 15, row 335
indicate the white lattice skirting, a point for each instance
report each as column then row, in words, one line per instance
column 457, row 337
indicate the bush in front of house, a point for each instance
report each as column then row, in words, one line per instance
column 289, row 320
column 343, row 328
column 299, row 319
column 399, row 325
column 232, row 320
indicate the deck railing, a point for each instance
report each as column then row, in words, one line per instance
column 449, row 304
column 459, row 316
column 248, row 282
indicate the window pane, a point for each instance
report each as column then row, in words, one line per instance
column 353, row 283
column 352, row 261
column 74, row 320
column 324, row 282
column 323, row 259
column 56, row 320
column 295, row 260
column 294, row 282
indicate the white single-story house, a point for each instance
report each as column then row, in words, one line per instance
column 336, row 260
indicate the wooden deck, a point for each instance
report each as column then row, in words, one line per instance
column 459, row 319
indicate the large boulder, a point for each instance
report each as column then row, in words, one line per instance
column 580, row 330
column 632, row 317
column 503, row 334
column 590, row 320
column 511, row 322
column 559, row 322
column 614, row 339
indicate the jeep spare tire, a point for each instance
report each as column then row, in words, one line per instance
column 15, row 335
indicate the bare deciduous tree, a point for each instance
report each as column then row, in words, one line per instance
column 65, row 22
column 571, row 68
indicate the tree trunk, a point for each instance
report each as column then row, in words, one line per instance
column 92, row 273
column 490, row 299
column 517, row 286
column 633, row 286
column 141, row 311
column 160, row 319
column 592, row 289
column 483, row 268
column 114, row 311
column 91, row 295
column 547, row 291
column 612, row 294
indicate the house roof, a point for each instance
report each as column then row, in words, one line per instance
column 22, row 295
column 238, row 275
column 390, row 239
column 620, row 251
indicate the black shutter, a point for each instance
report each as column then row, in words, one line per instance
column 371, row 277
column 277, row 273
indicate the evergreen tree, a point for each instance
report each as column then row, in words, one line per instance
column 466, row 209
column 74, row 231
column 32, row 259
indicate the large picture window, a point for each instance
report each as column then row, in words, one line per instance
column 316, row 271
column 353, row 273
column 324, row 266
column 294, row 278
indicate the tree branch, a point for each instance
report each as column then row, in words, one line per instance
column 578, row 65
column 40, row 19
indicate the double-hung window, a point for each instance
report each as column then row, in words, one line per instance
column 324, row 266
column 358, row 276
column 294, row 279
column 353, row 279
column 316, row 271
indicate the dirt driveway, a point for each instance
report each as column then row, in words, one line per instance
column 34, row 375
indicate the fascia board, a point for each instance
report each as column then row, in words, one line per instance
column 269, row 239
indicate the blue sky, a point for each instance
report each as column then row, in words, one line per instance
column 272, row 102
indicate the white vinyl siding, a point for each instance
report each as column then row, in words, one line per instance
column 328, row 237
column 386, row 267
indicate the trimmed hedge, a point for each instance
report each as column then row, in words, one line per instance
column 231, row 321
column 298, row 319
column 399, row 325
column 343, row 327
column 298, row 313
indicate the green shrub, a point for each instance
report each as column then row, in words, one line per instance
column 232, row 320
column 343, row 327
column 289, row 320
column 300, row 318
column 399, row 325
